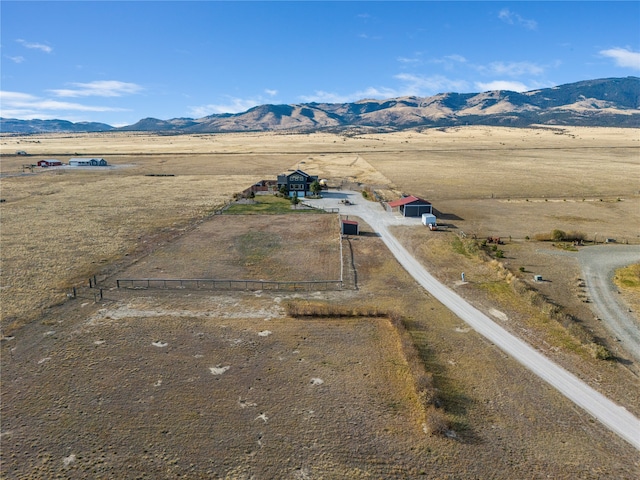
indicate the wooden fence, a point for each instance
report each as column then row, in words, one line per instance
column 215, row 284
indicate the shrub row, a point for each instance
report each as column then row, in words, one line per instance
column 560, row 236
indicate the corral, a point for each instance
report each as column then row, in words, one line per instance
column 204, row 384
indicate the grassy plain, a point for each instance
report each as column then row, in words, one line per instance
column 129, row 386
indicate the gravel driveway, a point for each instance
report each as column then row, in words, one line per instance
column 614, row 417
column 598, row 265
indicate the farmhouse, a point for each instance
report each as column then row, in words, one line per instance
column 349, row 227
column 87, row 162
column 410, row 206
column 297, row 183
column 52, row 162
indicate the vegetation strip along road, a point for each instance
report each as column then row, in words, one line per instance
column 613, row 416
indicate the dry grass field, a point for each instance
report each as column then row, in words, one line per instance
column 137, row 385
column 152, row 384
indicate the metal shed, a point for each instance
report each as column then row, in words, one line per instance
column 349, row 227
column 411, row 206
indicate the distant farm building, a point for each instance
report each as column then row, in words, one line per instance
column 49, row 163
column 87, row 162
column 349, row 227
column 297, row 183
column 410, row 206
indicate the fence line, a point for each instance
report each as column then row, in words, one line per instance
column 315, row 207
column 221, row 284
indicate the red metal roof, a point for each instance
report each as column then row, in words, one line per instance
column 349, row 222
column 406, row 201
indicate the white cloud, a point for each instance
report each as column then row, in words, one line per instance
column 17, row 59
column 320, row 96
column 233, row 105
column 101, row 88
column 411, row 85
column 501, row 85
column 376, row 92
column 271, row 93
column 419, row 85
column 513, row 69
column 409, row 61
column 513, row 18
column 26, row 106
column 623, row 57
column 456, row 58
column 36, row 46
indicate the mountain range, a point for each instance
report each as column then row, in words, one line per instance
column 603, row 102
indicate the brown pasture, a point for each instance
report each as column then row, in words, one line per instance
column 125, row 387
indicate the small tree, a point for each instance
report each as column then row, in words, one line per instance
column 558, row 235
column 295, row 201
column 315, row 187
column 283, row 190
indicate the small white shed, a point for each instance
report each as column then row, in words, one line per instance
column 428, row 219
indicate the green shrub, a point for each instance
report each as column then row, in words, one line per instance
column 599, row 352
column 558, row 235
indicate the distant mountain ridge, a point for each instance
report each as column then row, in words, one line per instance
column 603, row 102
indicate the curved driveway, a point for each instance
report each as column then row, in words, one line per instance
column 613, row 416
column 598, row 265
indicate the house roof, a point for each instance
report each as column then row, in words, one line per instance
column 407, row 200
column 349, row 222
column 298, row 172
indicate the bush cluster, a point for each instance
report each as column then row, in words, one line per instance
column 558, row 235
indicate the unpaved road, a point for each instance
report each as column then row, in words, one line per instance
column 613, row 416
column 598, row 265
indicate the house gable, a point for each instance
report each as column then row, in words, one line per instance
column 297, row 181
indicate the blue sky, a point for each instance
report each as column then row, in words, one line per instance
column 117, row 62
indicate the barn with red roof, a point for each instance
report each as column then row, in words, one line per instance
column 410, row 206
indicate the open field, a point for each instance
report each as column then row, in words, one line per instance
column 114, row 401
column 166, row 384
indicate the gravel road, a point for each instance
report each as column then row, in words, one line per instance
column 613, row 416
column 598, row 265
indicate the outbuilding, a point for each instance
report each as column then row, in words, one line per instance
column 411, row 206
column 87, row 162
column 349, row 227
column 52, row 162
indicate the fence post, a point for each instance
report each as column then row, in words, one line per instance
column 90, row 284
column 74, row 292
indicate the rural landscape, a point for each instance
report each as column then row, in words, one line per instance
column 316, row 354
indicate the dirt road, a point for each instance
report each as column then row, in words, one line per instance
column 614, row 417
column 598, row 264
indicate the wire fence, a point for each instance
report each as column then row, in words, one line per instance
column 218, row 284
